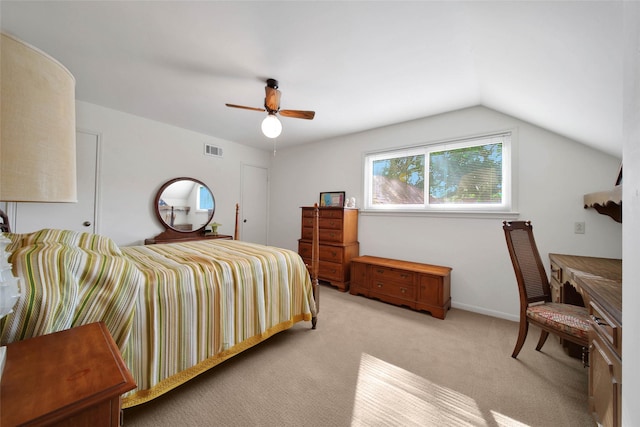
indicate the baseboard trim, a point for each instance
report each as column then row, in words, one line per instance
column 480, row 310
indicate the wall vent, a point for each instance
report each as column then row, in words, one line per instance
column 212, row 150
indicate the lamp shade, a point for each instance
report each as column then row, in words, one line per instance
column 38, row 129
column 271, row 126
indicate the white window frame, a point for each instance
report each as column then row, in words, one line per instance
column 507, row 209
column 198, row 209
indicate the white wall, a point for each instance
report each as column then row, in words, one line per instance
column 631, row 215
column 139, row 155
column 552, row 175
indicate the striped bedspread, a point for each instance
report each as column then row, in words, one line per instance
column 69, row 279
column 205, row 301
column 175, row 310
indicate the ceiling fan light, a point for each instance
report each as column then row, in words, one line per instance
column 271, row 126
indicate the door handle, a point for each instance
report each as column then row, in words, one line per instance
column 86, row 224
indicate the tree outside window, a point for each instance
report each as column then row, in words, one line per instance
column 452, row 175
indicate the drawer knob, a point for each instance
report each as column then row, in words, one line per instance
column 598, row 321
column 379, row 284
column 403, row 290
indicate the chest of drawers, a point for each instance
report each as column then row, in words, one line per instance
column 415, row 285
column 338, row 243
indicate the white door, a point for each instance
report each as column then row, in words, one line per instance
column 254, row 205
column 79, row 216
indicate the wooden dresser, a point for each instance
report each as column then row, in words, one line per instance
column 415, row 285
column 338, row 231
column 599, row 281
column 69, row 378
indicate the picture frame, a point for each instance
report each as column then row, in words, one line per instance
column 332, row 199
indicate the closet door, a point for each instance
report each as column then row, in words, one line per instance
column 255, row 204
column 79, row 216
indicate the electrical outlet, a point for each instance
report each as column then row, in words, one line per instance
column 578, row 227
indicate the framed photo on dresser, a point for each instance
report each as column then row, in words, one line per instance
column 333, row 199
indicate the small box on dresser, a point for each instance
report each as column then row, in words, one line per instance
column 338, row 243
column 415, row 285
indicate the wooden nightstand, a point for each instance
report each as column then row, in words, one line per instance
column 68, row 378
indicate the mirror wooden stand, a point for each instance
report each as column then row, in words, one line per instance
column 184, row 206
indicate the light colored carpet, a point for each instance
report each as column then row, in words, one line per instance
column 374, row 364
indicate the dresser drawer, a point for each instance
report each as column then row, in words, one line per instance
column 331, row 213
column 606, row 327
column 393, row 290
column 400, row 277
column 323, row 213
column 556, row 282
column 327, row 223
column 330, row 271
column 605, row 381
column 326, row 252
column 556, row 272
column 330, row 223
column 326, row 235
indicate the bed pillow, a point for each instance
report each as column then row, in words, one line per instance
column 16, row 241
column 88, row 241
column 63, row 286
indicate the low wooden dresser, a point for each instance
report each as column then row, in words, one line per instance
column 415, row 285
column 338, row 243
column 69, row 378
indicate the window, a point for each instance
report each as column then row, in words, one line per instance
column 204, row 199
column 464, row 175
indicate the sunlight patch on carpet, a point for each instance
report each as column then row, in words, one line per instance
column 387, row 395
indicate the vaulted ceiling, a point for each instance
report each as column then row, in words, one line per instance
column 358, row 64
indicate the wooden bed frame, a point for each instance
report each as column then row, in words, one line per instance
column 124, row 288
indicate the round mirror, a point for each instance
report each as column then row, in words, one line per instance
column 185, row 205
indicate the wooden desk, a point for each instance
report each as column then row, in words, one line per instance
column 599, row 280
column 72, row 378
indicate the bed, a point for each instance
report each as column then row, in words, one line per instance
column 175, row 310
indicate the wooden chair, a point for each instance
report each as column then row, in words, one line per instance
column 569, row 322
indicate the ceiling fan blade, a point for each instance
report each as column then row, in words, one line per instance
column 243, row 107
column 298, row 114
column 272, row 99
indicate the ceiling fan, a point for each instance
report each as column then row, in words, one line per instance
column 271, row 126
